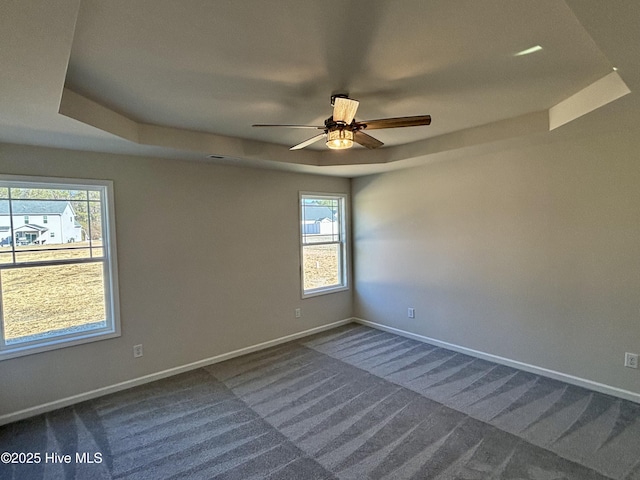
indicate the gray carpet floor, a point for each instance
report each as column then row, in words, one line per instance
column 351, row 403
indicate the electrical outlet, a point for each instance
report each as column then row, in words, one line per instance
column 137, row 351
column 298, row 313
column 411, row 312
column 631, row 360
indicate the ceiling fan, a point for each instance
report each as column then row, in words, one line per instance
column 341, row 129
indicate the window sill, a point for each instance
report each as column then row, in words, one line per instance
column 14, row 351
column 316, row 292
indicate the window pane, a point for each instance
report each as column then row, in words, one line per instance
column 95, row 218
column 47, row 194
column 320, row 221
column 5, row 225
column 41, row 302
column 321, row 265
column 80, row 222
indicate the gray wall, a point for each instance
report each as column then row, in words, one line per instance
column 531, row 254
column 208, row 263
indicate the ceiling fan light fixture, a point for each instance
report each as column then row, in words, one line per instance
column 340, row 139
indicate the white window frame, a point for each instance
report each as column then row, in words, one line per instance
column 110, row 269
column 343, row 242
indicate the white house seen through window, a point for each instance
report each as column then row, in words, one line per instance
column 323, row 243
column 58, row 279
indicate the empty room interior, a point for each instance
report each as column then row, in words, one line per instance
column 320, row 240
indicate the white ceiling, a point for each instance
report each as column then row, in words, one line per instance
column 187, row 79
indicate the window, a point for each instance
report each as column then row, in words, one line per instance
column 323, row 243
column 58, row 282
column 26, row 219
column 45, row 219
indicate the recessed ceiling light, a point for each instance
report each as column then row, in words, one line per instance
column 615, row 69
column 528, row 51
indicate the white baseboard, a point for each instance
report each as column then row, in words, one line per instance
column 563, row 377
column 65, row 402
column 99, row 392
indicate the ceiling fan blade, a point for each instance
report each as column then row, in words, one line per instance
column 397, row 122
column 344, row 109
column 366, row 140
column 289, row 126
column 308, row 141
